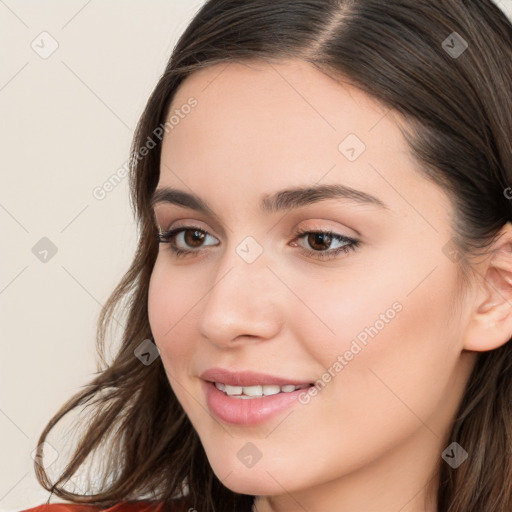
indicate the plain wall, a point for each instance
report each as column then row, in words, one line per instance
column 67, row 120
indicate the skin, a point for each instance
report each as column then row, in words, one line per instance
column 372, row 438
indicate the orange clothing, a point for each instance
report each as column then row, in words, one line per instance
column 123, row 506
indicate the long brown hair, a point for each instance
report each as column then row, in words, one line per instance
column 446, row 66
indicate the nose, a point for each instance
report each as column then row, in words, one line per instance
column 242, row 302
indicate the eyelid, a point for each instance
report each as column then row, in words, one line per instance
column 317, row 225
column 316, row 213
column 189, row 225
column 174, row 219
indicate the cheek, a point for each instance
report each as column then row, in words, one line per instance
column 394, row 351
column 392, row 310
column 394, row 322
column 351, row 312
column 168, row 306
column 170, row 313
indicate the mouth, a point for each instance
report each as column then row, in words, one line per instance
column 246, row 397
column 257, row 391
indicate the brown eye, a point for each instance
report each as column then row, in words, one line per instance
column 194, row 238
column 191, row 237
column 319, row 241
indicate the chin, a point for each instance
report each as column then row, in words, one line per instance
column 255, row 484
column 259, row 480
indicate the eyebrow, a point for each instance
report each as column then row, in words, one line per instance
column 281, row 200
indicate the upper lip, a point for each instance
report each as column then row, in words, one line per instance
column 247, row 378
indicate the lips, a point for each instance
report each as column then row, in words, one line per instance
column 248, row 398
column 250, row 411
column 249, row 378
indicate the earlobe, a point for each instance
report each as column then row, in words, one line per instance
column 490, row 325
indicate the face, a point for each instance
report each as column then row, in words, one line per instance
column 362, row 305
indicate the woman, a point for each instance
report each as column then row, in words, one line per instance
column 319, row 308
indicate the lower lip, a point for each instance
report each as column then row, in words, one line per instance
column 247, row 411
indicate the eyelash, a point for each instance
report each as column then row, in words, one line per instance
column 350, row 243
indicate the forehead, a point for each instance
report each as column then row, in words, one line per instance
column 259, row 127
column 250, row 94
column 287, row 113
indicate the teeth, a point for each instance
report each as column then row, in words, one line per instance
column 270, row 389
column 256, row 391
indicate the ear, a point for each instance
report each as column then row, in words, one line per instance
column 490, row 324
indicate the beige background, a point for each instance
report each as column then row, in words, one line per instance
column 67, row 119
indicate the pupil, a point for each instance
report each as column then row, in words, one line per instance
column 321, row 238
column 196, row 236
